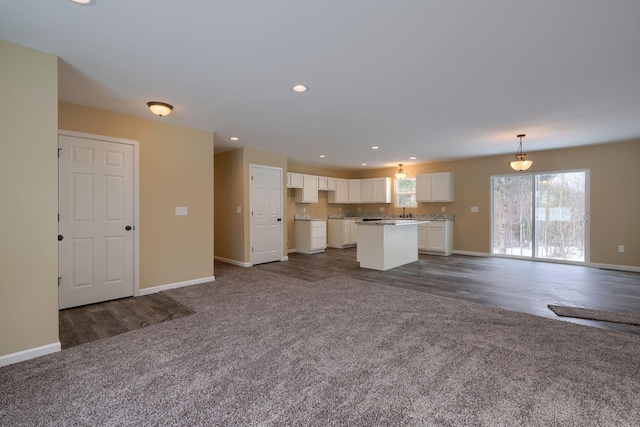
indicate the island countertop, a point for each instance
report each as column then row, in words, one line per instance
column 394, row 222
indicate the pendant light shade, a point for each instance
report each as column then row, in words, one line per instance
column 520, row 163
column 160, row 108
column 401, row 174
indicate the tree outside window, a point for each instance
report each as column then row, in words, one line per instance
column 406, row 193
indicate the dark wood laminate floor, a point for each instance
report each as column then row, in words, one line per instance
column 518, row 285
column 92, row 322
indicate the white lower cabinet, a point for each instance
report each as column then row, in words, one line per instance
column 311, row 236
column 436, row 237
column 342, row 232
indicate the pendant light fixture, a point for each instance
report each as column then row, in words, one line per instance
column 520, row 164
column 401, row 173
column 160, row 108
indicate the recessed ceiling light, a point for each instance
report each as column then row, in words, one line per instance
column 364, row 164
column 234, row 138
column 299, row 88
column 375, row 147
column 322, row 156
column 412, row 158
column 84, row 2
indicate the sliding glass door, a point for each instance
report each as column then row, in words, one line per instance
column 540, row 215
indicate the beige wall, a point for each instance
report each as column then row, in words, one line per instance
column 229, row 195
column 29, row 199
column 176, row 169
column 614, row 207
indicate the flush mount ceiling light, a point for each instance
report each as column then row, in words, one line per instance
column 84, row 2
column 299, row 88
column 322, row 156
column 412, row 158
column 520, row 164
column 375, row 147
column 234, row 138
column 401, row 174
column 160, row 108
column 364, row 164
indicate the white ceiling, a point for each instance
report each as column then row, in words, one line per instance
column 435, row 79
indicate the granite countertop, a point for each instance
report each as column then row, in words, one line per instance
column 307, row 218
column 432, row 217
column 403, row 221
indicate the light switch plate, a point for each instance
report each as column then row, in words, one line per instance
column 238, row 209
column 181, row 210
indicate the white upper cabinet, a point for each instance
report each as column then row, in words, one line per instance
column 341, row 193
column 323, row 183
column 331, row 184
column 434, row 187
column 376, row 190
column 366, row 190
column 294, row 180
column 355, row 191
column 309, row 191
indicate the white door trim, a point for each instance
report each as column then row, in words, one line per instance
column 282, row 223
column 136, row 195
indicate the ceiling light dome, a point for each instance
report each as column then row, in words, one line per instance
column 160, row 108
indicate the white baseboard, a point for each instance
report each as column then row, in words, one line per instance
column 234, row 262
column 483, row 254
column 614, row 267
column 21, row 356
column 284, row 258
column 155, row 289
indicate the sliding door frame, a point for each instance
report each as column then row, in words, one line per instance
column 533, row 257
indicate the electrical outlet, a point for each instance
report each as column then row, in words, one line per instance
column 238, row 209
column 382, row 209
column 288, row 243
column 181, row 210
column 339, row 209
column 359, row 208
column 444, row 209
column 474, row 209
column 304, row 209
column 621, row 248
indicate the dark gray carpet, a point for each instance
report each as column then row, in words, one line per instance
column 592, row 314
column 264, row 349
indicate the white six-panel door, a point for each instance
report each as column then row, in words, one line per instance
column 266, row 214
column 96, row 225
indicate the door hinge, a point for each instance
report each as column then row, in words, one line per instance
column 59, row 279
column 59, row 150
column 58, row 217
column 251, row 248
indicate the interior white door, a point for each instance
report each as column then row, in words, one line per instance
column 96, row 207
column 266, row 214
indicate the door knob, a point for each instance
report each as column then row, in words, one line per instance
column 60, row 237
column 128, row 227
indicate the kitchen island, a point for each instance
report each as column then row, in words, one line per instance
column 386, row 244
